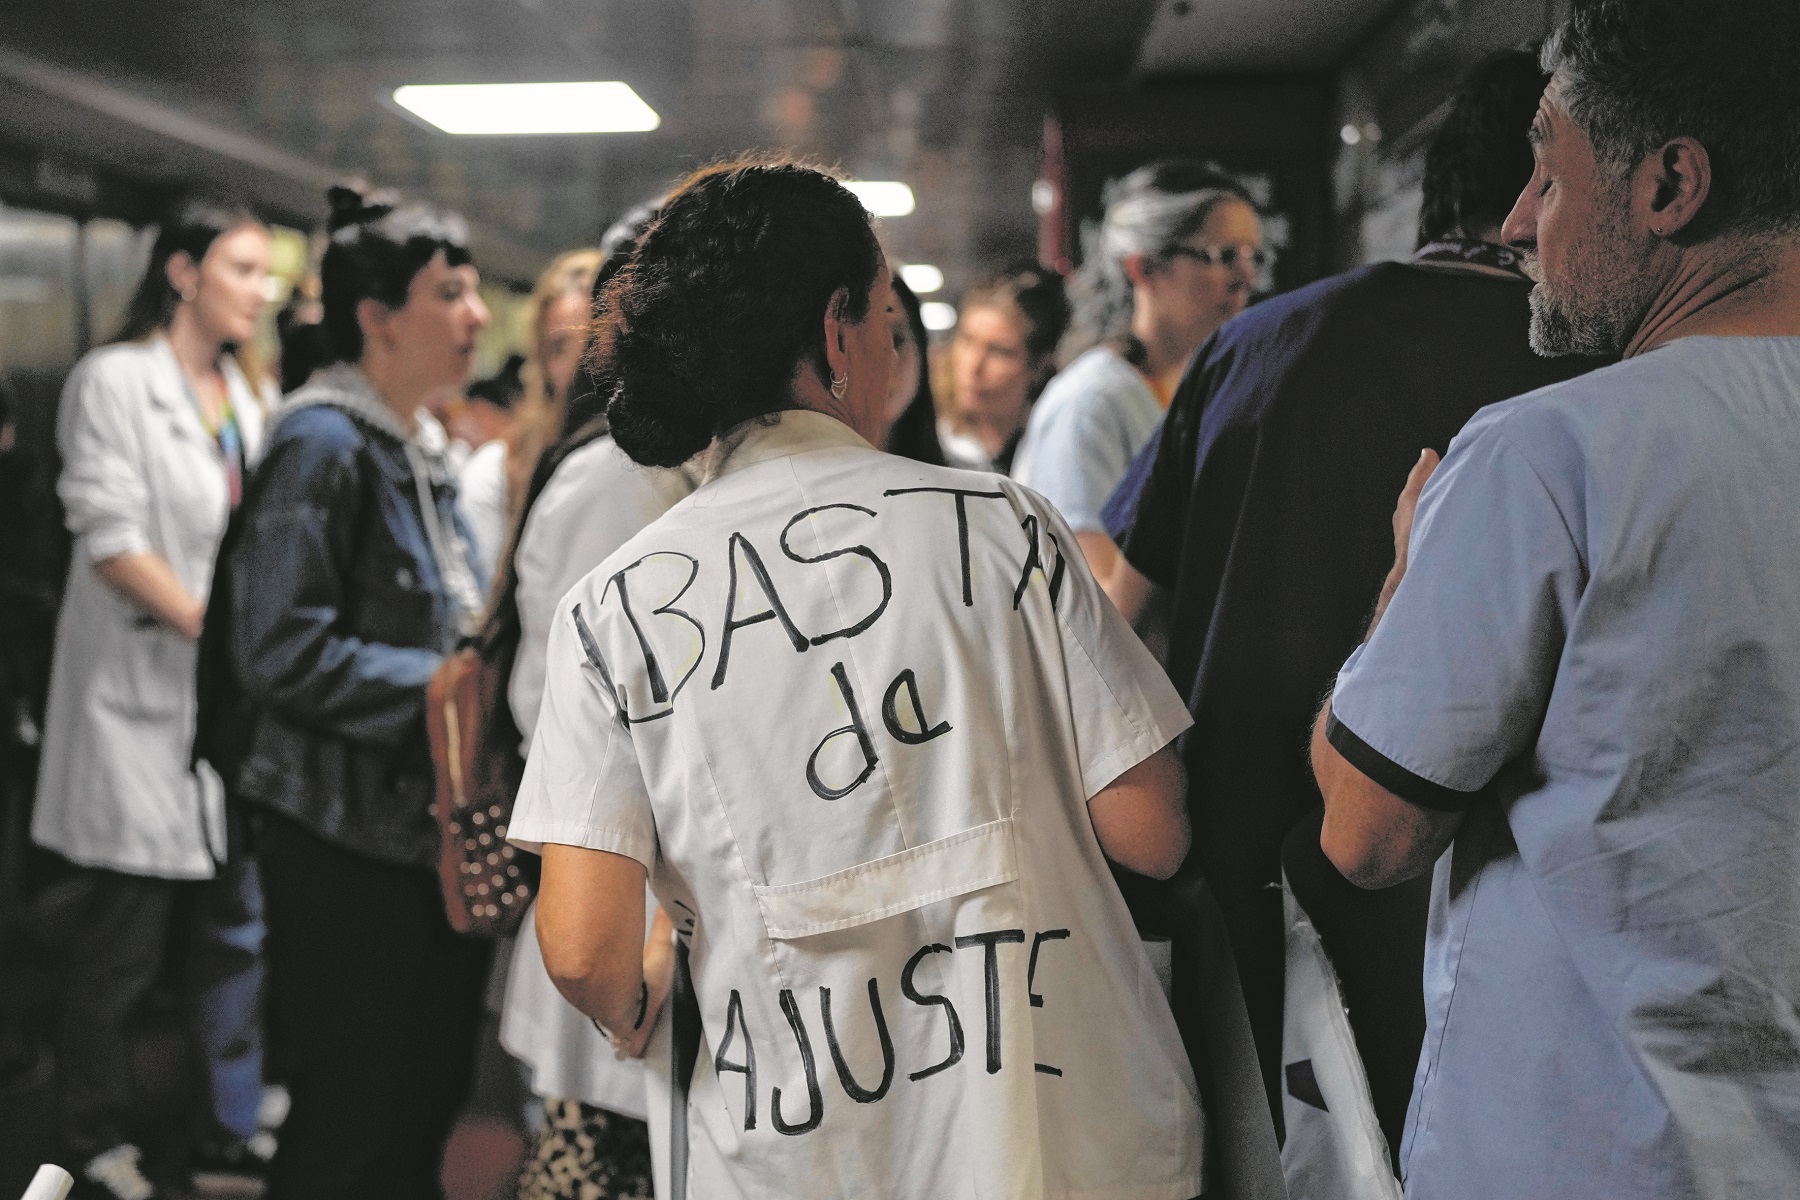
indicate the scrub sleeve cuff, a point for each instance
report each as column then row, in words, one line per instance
column 1411, row 787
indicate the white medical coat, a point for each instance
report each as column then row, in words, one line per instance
column 140, row 474
column 596, row 500
column 848, row 709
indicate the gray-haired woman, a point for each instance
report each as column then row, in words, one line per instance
column 1178, row 251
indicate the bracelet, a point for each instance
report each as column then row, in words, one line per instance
column 643, row 1005
column 642, row 1012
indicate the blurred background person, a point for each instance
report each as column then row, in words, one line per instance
column 1264, row 510
column 492, row 485
column 912, row 409
column 1177, row 254
column 556, row 336
column 299, row 337
column 352, row 579
column 480, row 426
column 158, row 432
column 587, row 500
column 1000, row 358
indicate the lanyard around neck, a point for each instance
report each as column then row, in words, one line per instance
column 225, row 435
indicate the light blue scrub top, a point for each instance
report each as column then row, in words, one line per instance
column 1596, row 656
column 1084, row 431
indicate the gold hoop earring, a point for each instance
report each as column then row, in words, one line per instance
column 839, row 385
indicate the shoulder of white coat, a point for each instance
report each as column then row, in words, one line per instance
column 108, row 390
column 118, row 367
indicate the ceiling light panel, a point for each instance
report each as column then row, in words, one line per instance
column 882, row 197
column 922, row 278
column 529, row 108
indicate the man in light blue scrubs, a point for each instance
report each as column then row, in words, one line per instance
column 1583, row 679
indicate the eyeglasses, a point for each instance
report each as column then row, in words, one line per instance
column 1223, row 256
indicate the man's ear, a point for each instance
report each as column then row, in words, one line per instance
column 1672, row 186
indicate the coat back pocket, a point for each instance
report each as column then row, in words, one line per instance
column 969, row 861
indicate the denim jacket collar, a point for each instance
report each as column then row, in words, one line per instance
column 421, row 465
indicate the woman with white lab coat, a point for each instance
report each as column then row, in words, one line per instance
column 157, row 432
column 872, row 731
column 586, row 499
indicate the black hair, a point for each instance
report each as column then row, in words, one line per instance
column 1637, row 74
column 190, row 228
column 914, row 434
column 724, row 299
column 1479, row 159
column 377, row 246
column 505, row 387
column 302, row 343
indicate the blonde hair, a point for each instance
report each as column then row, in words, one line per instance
column 539, row 414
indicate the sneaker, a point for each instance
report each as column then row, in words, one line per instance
column 116, row 1175
column 235, row 1156
column 274, row 1107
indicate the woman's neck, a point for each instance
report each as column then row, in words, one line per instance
column 403, row 396
column 1165, row 353
column 196, row 351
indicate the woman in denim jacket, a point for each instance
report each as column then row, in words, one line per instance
column 351, row 579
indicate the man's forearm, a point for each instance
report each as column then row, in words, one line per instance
column 1375, row 838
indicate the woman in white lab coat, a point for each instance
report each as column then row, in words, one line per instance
column 587, row 499
column 871, row 730
column 157, row 432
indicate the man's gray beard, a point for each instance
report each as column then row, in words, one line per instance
column 1556, row 331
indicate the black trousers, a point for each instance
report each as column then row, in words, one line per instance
column 127, row 926
column 379, row 1002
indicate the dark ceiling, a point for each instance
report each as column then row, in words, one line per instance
column 276, row 98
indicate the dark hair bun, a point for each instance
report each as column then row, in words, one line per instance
column 723, row 300
column 656, row 418
column 351, row 207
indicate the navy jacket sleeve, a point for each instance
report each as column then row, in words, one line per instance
column 1148, row 514
column 288, row 580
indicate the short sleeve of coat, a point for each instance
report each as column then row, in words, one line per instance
column 1123, row 707
column 105, row 497
column 1455, row 681
column 582, row 784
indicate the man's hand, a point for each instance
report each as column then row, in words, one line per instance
column 1403, row 523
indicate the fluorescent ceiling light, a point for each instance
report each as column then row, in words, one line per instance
column 922, row 278
column 884, row 198
column 517, row 108
column 937, row 315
